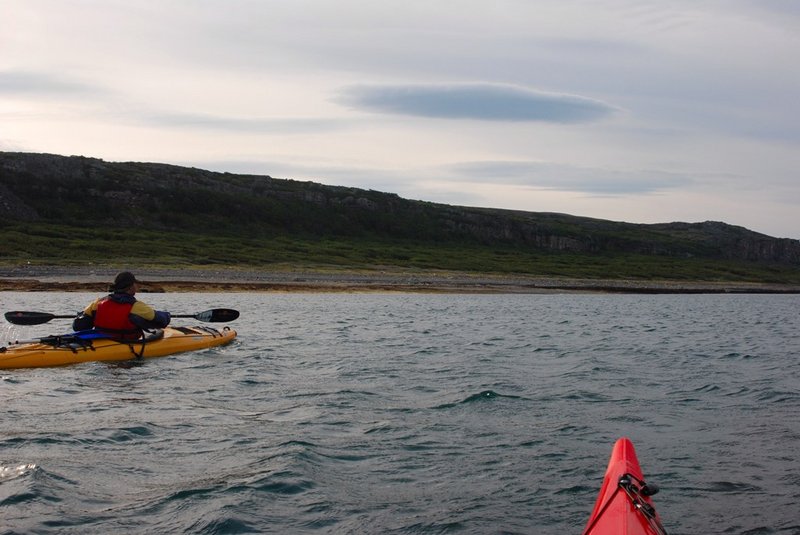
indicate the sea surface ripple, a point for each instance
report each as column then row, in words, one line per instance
column 412, row 413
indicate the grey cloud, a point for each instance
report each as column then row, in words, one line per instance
column 779, row 7
column 593, row 181
column 486, row 102
column 110, row 106
column 25, row 82
column 238, row 124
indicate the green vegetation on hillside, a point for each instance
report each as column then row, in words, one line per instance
column 75, row 210
column 64, row 245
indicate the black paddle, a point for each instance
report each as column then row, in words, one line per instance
column 215, row 315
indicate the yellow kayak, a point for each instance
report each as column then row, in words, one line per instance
column 71, row 349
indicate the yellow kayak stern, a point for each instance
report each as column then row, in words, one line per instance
column 164, row 342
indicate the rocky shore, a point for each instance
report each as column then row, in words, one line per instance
column 96, row 279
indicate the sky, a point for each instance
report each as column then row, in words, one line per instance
column 628, row 110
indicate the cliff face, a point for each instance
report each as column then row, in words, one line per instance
column 86, row 191
column 764, row 249
column 13, row 207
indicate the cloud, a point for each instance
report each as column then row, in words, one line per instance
column 593, row 181
column 27, row 83
column 200, row 121
column 779, row 7
column 487, row 102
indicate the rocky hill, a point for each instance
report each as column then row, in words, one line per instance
column 88, row 192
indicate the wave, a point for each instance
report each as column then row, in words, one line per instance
column 480, row 397
column 8, row 473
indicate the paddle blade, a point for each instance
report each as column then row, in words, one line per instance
column 218, row 315
column 18, row 317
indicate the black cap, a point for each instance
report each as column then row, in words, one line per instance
column 123, row 281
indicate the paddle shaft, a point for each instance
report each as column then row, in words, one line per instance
column 215, row 315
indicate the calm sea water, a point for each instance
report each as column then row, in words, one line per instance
column 404, row 413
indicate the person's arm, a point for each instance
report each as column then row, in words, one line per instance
column 144, row 316
column 85, row 319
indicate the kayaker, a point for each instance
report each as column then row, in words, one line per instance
column 120, row 313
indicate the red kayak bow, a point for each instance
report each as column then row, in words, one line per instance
column 623, row 506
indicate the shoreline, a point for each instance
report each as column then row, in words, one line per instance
column 30, row 278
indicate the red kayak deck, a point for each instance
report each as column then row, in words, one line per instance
column 624, row 506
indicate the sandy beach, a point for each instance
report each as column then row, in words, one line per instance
column 156, row 280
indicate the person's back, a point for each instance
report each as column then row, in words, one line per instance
column 120, row 314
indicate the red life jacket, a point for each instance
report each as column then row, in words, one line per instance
column 112, row 317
